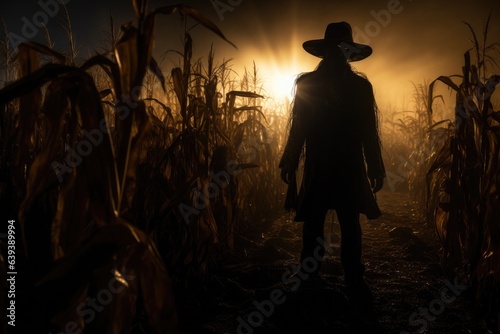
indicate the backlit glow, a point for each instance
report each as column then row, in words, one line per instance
column 280, row 80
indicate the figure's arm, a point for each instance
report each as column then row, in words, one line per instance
column 293, row 148
column 370, row 138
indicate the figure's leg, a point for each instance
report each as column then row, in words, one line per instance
column 351, row 249
column 312, row 230
column 351, row 244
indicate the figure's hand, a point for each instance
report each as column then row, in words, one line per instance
column 377, row 183
column 287, row 175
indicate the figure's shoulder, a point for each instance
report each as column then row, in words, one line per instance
column 308, row 81
column 360, row 80
column 305, row 78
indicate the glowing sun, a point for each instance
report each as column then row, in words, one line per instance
column 280, row 81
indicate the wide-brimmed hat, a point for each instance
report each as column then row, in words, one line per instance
column 338, row 33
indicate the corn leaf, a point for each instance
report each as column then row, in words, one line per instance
column 193, row 13
column 126, row 53
column 156, row 70
column 44, row 50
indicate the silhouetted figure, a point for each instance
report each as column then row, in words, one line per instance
column 334, row 125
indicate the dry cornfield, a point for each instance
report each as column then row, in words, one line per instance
column 154, row 175
column 451, row 167
column 130, row 132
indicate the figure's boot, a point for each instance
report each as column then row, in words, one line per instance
column 313, row 249
column 358, row 291
column 312, row 255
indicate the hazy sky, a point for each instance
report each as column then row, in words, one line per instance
column 418, row 39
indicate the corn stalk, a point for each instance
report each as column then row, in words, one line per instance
column 465, row 175
column 98, row 193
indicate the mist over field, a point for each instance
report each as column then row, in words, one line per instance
column 412, row 42
column 154, row 167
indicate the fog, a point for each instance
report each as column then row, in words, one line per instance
column 412, row 40
column 170, row 209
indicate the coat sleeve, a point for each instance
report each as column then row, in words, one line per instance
column 370, row 136
column 298, row 130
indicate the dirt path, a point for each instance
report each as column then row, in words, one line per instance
column 253, row 293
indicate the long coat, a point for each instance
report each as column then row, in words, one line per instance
column 334, row 119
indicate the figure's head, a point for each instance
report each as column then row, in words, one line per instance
column 338, row 45
column 334, row 55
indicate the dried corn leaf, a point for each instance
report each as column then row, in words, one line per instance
column 55, row 106
column 442, row 158
column 156, row 70
column 126, row 53
column 109, row 67
column 142, row 127
column 193, row 13
column 245, row 94
column 118, row 255
column 139, row 7
column 178, row 82
column 44, row 50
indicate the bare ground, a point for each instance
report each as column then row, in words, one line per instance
column 401, row 255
